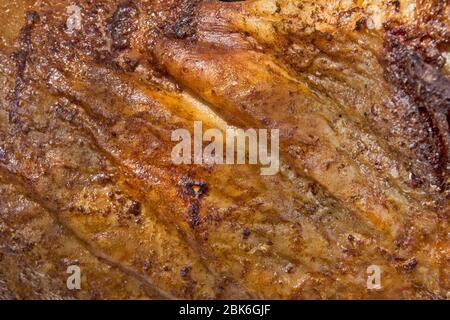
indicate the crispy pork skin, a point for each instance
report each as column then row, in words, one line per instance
column 91, row 92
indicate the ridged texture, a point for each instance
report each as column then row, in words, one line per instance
column 359, row 90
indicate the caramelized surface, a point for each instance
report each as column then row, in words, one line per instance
column 360, row 91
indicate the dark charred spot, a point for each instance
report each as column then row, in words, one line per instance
column 396, row 5
column 63, row 111
column 192, row 191
column 185, row 272
column 107, row 58
column 407, row 266
column 278, row 10
column 192, row 188
column 185, row 23
column 246, row 233
column 135, row 208
column 182, row 28
column 115, row 61
column 130, row 65
column 122, row 24
column 361, row 24
column 193, row 215
column 314, row 188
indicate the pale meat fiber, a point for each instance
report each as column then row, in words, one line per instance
column 92, row 91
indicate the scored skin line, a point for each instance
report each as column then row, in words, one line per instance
column 106, row 150
column 203, row 108
column 286, row 170
column 394, row 183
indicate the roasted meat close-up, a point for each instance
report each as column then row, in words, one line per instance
column 92, row 91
